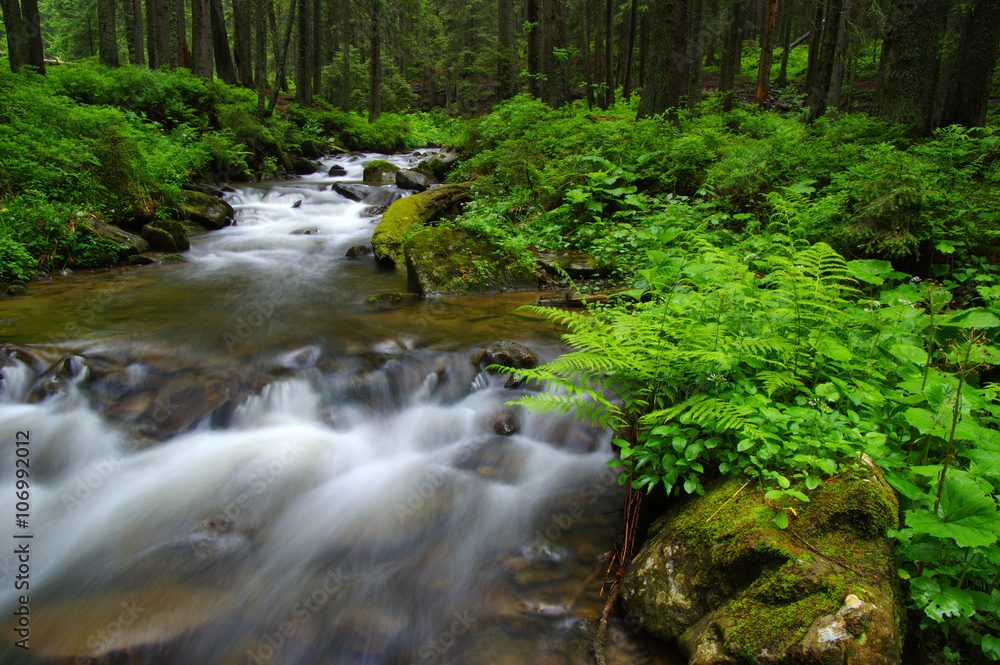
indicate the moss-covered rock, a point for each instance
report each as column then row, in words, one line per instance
column 388, row 298
column 379, row 171
column 206, row 210
column 131, row 243
column 164, row 236
column 717, row 576
column 446, row 260
column 410, row 213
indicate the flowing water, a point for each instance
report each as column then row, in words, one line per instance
column 238, row 460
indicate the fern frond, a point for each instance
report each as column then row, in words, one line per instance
column 600, row 413
column 775, row 381
column 705, row 411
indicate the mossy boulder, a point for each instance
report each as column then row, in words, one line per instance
column 164, row 236
column 446, row 260
column 411, row 179
column 718, row 577
column 379, row 171
column 412, row 212
column 440, row 163
column 206, row 210
column 131, row 243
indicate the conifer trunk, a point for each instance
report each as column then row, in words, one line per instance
column 220, row 44
column 507, row 64
column 201, row 39
column 107, row 32
column 243, row 42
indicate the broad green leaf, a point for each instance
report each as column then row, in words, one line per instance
column 869, row 271
column 781, row 520
column 784, row 482
column 966, row 514
column 914, row 354
column 941, row 600
column 900, row 483
column 923, row 420
column 834, row 350
column 991, row 647
column 975, row 317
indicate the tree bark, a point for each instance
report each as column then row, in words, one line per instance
column 507, row 64
column 31, row 28
column 609, row 51
column 630, row 51
column 555, row 89
column 840, row 59
column 220, row 44
column 731, row 56
column 588, row 65
column 201, row 39
column 786, row 38
column 909, row 66
column 107, row 33
column 814, row 44
column 819, row 94
column 17, row 52
column 375, row 65
column 243, row 42
column 534, row 48
column 667, row 78
column 345, row 94
column 182, row 49
column 979, row 43
column 767, row 53
column 260, row 55
column 281, row 82
column 695, row 51
column 280, row 64
column 319, row 32
column 132, row 11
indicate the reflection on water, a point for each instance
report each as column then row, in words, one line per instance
column 238, row 460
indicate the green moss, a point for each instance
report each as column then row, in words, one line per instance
column 409, row 213
column 379, row 171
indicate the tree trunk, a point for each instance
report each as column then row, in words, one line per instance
column 840, row 61
column 281, row 82
column 979, row 43
column 667, row 58
column 260, row 54
column 695, row 51
column 107, row 32
column 555, row 89
column 319, row 32
column 909, row 66
column 31, row 27
column 814, row 44
column 588, row 65
column 643, row 48
column 220, row 44
column 786, row 38
column 183, row 50
column 17, row 53
column 507, row 64
column 201, row 39
column 280, row 64
column 767, row 53
column 630, row 51
column 375, row 65
column 819, row 94
column 345, row 94
column 731, row 56
column 303, row 53
column 243, row 42
column 534, row 48
column 609, row 51
column 132, row 12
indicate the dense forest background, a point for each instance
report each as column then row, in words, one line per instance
column 933, row 59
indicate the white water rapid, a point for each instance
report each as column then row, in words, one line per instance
column 236, row 460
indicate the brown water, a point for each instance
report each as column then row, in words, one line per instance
column 238, row 460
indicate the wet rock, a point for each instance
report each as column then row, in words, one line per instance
column 358, row 251
column 413, row 211
column 206, row 210
column 574, row 264
column 505, row 421
column 392, row 298
column 717, row 576
column 374, row 211
column 441, row 163
column 164, row 236
column 337, row 170
column 409, row 179
column 369, row 631
column 171, row 259
column 382, row 196
column 311, row 149
column 446, row 260
column 211, row 190
column 305, row 232
column 198, row 554
column 379, row 171
column 506, row 354
column 352, row 191
column 303, row 166
column 17, row 290
column 133, row 244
